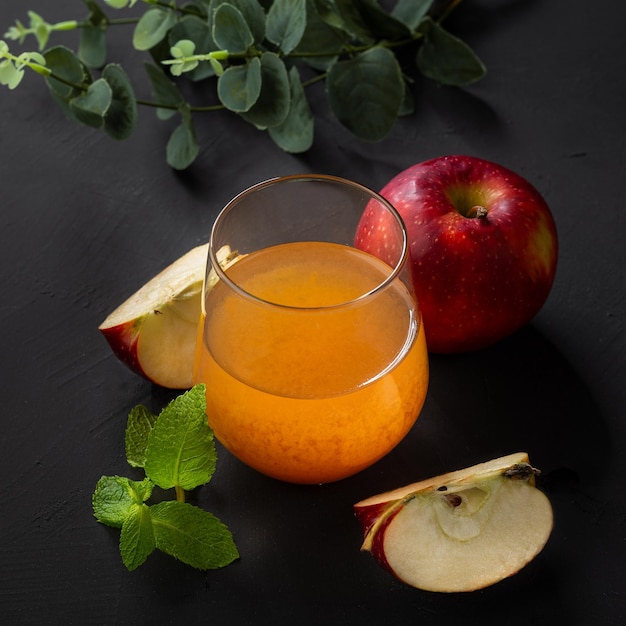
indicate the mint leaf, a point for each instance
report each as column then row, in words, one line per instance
column 115, row 497
column 192, row 535
column 137, row 537
column 181, row 451
column 176, row 449
column 138, row 427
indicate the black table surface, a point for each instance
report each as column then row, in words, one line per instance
column 86, row 220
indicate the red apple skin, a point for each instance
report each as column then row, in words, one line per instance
column 367, row 516
column 123, row 339
column 377, row 545
column 477, row 279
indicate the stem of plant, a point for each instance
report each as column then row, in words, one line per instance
column 180, row 494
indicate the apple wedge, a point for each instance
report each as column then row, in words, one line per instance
column 460, row 531
column 154, row 331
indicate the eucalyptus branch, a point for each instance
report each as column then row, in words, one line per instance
column 256, row 55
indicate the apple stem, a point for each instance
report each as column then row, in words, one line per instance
column 477, row 211
column 180, row 494
column 521, row 471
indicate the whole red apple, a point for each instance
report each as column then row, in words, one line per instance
column 483, row 248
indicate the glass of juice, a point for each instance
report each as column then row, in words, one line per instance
column 312, row 351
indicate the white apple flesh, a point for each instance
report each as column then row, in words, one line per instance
column 154, row 331
column 460, row 531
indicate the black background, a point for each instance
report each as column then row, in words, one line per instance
column 86, row 220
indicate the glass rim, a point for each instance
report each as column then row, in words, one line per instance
column 230, row 205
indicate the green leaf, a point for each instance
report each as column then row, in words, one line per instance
column 366, row 93
column 64, row 63
column 137, row 539
column 164, row 91
column 367, row 21
column 253, row 14
column 120, row 120
column 272, row 105
column 411, row 12
column 197, row 30
column 446, row 59
column 10, row 75
column 115, row 496
column 192, row 535
column 285, row 24
column 408, row 102
column 152, row 28
column 238, row 88
column 91, row 106
column 295, row 134
column 327, row 11
column 230, row 30
column 182, row 147
column 181, row 450
column 92, row 41
column 40, row 29
column 138, row 427
column 92, row 46
column 320, row 38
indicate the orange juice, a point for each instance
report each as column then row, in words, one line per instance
column 310, row 380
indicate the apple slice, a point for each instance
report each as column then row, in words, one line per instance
column 154, row 331
column 460, row 531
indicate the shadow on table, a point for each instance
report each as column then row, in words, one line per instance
column 299, row 545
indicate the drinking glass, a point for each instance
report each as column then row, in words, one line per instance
column 312, row 351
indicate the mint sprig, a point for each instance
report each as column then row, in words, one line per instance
column 176, row 449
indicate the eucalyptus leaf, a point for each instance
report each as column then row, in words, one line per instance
column 295, row 134
column 182, row 147
column 286, row 21
column 120, row 120
column 200, row 6
column 446, row 59
column 272, row 105
column 253, row 14
column 10, row 75
column 65, row 64
column 92, row 41
column 91, row 106
column 152, row 27
column 408, row 102
column 321, row 43
column 327, row 10
column 230, row 29
column 238, row 88
column 411, row 12
column 92, row 46
column 164, row 91
column 366, row 93
column 367, row 21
